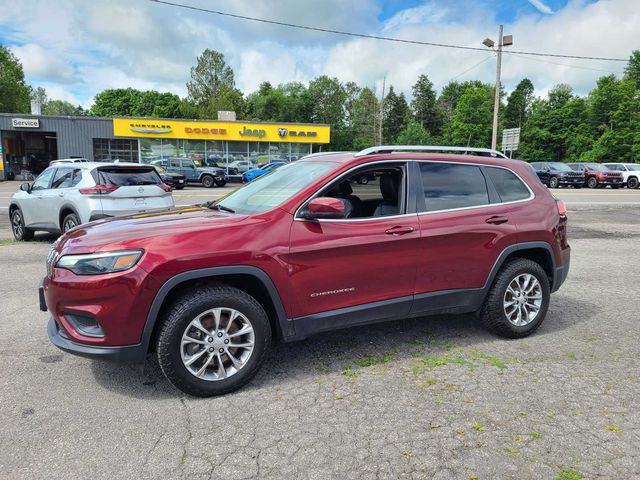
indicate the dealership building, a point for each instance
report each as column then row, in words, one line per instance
column 29, row 142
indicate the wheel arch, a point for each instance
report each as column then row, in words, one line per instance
column 252, row 280
column 539, row 252
column 65, row 210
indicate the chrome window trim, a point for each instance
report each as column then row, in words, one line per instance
column 481, row 165
column 406, row 193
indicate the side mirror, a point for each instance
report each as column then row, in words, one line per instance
column 324, row 207
column 26, row 187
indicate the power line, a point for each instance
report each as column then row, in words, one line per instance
column 565, row 64
column 376, row 37
column 462, row 73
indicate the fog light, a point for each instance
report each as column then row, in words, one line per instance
column 84, row 324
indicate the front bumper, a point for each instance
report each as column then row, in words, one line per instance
column 128, row 353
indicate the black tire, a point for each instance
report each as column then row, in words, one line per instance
column 632, row 183
column 592, row 182
column 188, row 306
column 554, row 182
column 615, row 187
column 492, row 313
column 207, row 181
column 180, row 187
column 221, row 183
column 70, row 221
column 20, row 232
column 363, row 180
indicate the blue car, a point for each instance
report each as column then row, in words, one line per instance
column 256, row 172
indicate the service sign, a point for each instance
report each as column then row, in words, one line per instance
column 220, row 130
column 25, row 123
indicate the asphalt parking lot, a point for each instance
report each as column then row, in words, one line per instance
column 435, row 397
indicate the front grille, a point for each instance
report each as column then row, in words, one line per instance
column 51, row 257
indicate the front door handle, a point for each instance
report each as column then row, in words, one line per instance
column 400, row 230
column 497, row 220
column 61, row 194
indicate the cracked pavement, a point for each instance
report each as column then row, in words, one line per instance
column 434, row 397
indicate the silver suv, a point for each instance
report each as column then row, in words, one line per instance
column 69, row 194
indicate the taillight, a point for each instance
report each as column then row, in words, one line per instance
column 98, row 190
column 562, row 209
column 165, row 187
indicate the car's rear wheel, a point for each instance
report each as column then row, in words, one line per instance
column 592, row 182
column 518, row 300
column 207, row 181
column 213, row 340
column 70, row 221
column 632, row 183
column 20, row 232
column 553, row 182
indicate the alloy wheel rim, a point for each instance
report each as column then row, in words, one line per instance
column 522, row 300
column 69, row 224
column 217, row 344
column 18, row 228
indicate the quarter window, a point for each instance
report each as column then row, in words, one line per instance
column 509, row 187
column 448, row 186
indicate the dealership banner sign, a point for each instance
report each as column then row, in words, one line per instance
column 221, row 130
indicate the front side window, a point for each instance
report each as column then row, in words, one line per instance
column 273, row 188
column 42, row 182
column 449, row 186
column 507, row 184
column 66, row 178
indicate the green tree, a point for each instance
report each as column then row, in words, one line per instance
column 115, row 102
column 396, row 115
column 212, row 86
column 39, row 95
column 518, row 105
column 14, row 91
column 471, row 122
column 450, row 95
column 365, row 119
column 324, row 103
column 61, row 107
column 425, row 105
column 632, row 70
column 414, row 134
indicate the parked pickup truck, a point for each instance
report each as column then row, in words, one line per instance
column 207, row 176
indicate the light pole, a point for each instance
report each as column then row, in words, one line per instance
column 503, row 41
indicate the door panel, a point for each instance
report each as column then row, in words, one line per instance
column 34, row 208
column 342, row 263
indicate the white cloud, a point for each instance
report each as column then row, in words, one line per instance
column 84, row 47
column 42, row 63
column 541, row 6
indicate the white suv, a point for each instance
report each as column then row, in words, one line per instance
column 630, row 172
column 69, row 194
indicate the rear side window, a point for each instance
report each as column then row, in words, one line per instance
column 447, row 186
column 508, row 185
column 123, row 177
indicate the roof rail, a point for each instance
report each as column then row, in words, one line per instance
column 483, row 152
column 320, row 154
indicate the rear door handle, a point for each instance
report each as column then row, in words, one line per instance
column 497, row 220
column 61, row 194
column 400, row 230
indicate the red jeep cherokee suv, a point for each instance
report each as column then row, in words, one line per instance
column 306, row 249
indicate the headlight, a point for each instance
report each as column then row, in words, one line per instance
column 99, row 263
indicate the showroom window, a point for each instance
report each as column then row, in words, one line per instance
column 106, row 149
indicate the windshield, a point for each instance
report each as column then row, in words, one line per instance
column 598, row 167
column 275, row 187
column 561, row 167
column 633, row 167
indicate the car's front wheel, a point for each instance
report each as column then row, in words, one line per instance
column 213, row 340
column 518, row 300
column 554, row 182
column 20, row 231
column 207, row 181
column 592, row 182
column 70, row 221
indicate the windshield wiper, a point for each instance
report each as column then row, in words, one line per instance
column 217, row 206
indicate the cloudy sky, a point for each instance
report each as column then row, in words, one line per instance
column 76, row 48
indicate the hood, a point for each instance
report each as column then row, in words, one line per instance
column 111, row 233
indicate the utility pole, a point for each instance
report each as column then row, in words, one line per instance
column 496, row 101
column 503, row 41
column 384, row 80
